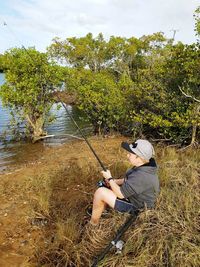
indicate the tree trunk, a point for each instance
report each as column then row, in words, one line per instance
column 194, row 127
column 36, row 125
column 194, row 132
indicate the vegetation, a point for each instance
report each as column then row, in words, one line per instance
column 1, row 63
column 167, row 236
column 145, row 86
column 156, row 84
column 183, row 79
column 29, row 86
column 197, row 21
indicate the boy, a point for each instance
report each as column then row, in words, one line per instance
column 138, row 190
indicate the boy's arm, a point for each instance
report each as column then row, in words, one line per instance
column 113, row 184
column 119, row 181
column 107, row 174
column 116, row 188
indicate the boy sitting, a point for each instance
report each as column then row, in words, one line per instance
column 137, row 191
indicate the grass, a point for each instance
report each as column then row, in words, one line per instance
column 167, row 236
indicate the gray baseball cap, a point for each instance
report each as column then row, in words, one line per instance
column 141, row 148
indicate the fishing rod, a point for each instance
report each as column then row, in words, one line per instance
column 82, row 134
column 64, row 106
column 114, row 243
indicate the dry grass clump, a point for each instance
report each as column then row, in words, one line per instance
column 167, row 236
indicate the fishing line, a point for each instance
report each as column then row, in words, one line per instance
column 64, row 106
column 82, row 134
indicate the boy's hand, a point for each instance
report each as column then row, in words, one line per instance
column 106, row 174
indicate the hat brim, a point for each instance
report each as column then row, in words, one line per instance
column 126, row 146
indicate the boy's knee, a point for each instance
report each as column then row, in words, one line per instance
column 99, row 192
column 106, row 195
column 102, row 193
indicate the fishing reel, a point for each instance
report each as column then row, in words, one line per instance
column 118, row 245
column 102, row 183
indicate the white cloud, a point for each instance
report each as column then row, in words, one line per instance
column 37, row 22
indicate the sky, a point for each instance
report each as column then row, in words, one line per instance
column 37, row 22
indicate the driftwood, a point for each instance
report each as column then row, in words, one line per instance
column 52, row 135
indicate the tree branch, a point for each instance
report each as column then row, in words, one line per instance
column 189, row 96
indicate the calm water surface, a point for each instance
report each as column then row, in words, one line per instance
column 20, row 152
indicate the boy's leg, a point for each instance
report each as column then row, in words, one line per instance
column 102, row 197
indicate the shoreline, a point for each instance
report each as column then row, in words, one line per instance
column 45, row 200
column 39, row 150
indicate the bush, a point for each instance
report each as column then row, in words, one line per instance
column 103, row 102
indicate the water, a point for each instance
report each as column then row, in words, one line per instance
column 62, row 129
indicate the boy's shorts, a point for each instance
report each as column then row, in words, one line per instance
column 122, row 205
